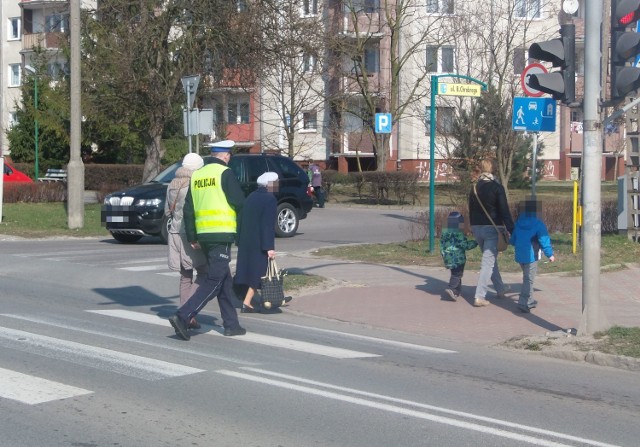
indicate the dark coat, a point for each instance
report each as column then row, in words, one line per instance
column 494, row 200
column 256, row 237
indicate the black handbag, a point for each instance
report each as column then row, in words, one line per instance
column 271, row 286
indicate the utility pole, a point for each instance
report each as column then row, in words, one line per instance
column 75, row 169
column 591, row 320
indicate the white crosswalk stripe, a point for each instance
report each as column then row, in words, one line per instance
column 92, row 356
column 34, row 390
column 267, row 340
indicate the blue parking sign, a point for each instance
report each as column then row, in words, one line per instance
column 383, row 123
column 534, row 114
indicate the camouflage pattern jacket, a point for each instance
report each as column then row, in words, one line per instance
column 453, row 245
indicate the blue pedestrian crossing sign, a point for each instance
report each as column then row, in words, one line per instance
column 383, row 123
column 534, row 114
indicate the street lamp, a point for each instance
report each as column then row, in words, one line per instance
column 35, row 113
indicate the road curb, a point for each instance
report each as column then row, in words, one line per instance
column 597, row 358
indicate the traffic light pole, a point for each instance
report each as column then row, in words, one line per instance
column 591, row 320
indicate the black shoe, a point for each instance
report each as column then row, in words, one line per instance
column 180, row 327
column 228, row 332
column 524, row 309
column 249, row 310
column 287, row 299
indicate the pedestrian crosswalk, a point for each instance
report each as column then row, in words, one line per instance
column 34, row 387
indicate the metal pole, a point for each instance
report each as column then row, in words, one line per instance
column 75, row 169
column 189, row 114
column 35, row 119
column 534, row 173
column 432, row 170
column 591, row 320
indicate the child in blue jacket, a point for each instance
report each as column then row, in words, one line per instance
column 530, row 237
column 453, row 245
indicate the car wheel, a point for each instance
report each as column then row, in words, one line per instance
column 126, row 238
column 164, row 230
column 287, row 220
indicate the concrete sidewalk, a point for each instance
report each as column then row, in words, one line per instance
column 409, row 299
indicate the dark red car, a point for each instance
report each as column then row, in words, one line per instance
column 12, row 175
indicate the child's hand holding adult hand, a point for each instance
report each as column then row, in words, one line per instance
column 552, row 258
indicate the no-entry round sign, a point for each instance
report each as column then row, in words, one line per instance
column 528, row 71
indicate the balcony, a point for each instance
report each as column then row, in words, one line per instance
column 42, row 4
column 49, row 41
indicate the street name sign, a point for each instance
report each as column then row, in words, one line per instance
column 448, row 89
column 534, row 114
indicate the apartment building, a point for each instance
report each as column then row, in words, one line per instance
column 11, row 29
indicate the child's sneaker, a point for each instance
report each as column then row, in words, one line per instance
column 451, row 294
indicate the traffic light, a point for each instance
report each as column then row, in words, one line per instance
column 625, row 45
column 561, row 53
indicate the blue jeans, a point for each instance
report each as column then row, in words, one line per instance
column 487, row 238
column 528, row 276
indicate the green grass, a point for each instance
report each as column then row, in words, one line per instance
column 36, row 220
column 615, row 252
column 620, row 340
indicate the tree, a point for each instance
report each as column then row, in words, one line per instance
column 510, row 27
column 370, row 87
column 292, row 91
column 135, row 55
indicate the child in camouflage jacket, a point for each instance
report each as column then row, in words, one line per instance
column 453, row 245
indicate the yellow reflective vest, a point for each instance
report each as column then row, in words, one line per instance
column 213, row 213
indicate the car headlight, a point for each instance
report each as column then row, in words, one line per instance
column 148, row 202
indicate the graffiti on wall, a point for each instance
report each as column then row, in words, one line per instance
column 549, row 169
column 442, row 170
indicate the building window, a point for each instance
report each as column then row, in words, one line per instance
column 55, row 23
column 372, row 59
column 441, row 64
column 13, row 119
column 238, row 111
column 309, row 120
column 309, row 7
column 368, row 6
column 529, row 9
column 519, row 60
column 15, row 28
column 15, row 72
column 241, row 6
column 440, row 6
column 444, row 120
column 308, row 63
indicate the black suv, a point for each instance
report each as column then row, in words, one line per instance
column 138, row 211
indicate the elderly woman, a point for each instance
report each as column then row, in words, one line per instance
column 256, row 238
column 488, row 193
column 182, row 257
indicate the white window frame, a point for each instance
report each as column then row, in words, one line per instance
column 14, row 24
column 308, row 63
column 239, row 104
column 15, row 75
column 528, row 9
column 439, row 55
column 440, row 7
column 309, row 8
column 309, row 121
column 56, row 23
column 13, row 118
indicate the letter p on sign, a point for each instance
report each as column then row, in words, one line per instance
column 383, row 123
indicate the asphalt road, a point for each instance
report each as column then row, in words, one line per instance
column 88, row 358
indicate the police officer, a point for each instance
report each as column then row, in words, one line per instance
column 212, row 205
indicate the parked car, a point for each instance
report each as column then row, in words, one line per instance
column 138, row 211
column 12, row 175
